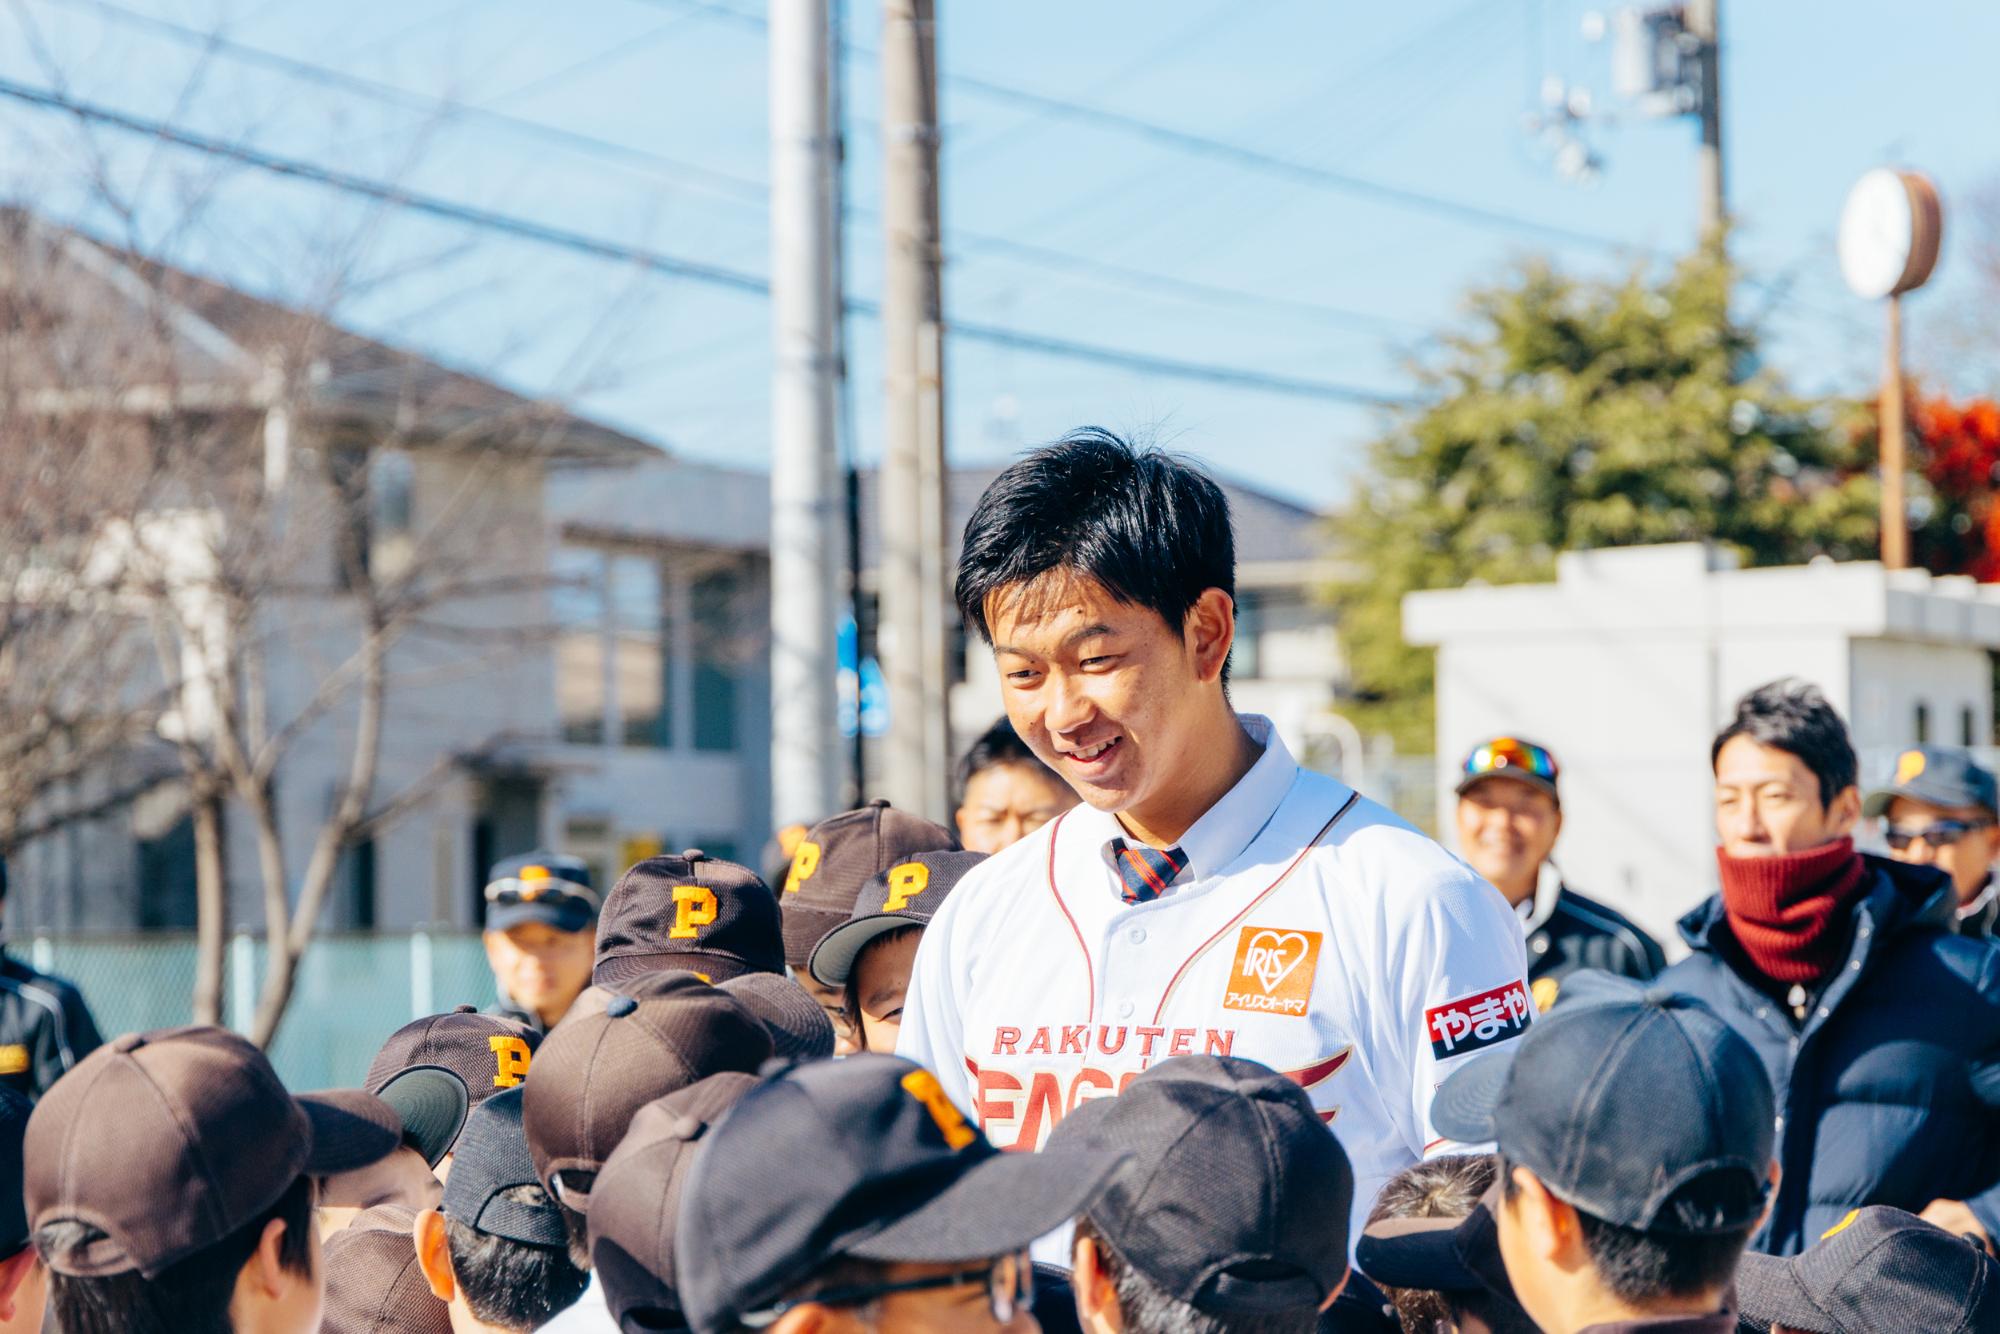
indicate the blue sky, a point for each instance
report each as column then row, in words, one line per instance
column 1309, row 282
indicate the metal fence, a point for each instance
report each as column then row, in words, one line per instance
column 352, row 991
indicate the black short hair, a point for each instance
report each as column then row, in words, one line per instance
column 1641, row 1267
column 191, row 1296
column 1151, row 527
column 1146, row 1306
column 850, row 994
column 512, row 1284
column 998, row 745
column 1794, row 717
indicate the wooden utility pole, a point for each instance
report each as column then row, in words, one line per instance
column 912, row 518
column 1895, row 417
column 805, row 733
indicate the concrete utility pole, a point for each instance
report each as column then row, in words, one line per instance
column 1704, row 24
column 805, row 734
column 912, row 518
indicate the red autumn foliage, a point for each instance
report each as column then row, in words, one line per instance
column 1957, row 450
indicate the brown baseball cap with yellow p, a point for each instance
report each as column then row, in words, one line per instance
column 662, row 1033
column 836, row 858
column 694, row 912
column 169, row 1141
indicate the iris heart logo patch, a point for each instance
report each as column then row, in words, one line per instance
column 1273, row 972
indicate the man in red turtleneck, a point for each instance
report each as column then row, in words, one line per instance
column 1880, row 1028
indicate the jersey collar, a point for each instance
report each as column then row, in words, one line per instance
column 1233, row 822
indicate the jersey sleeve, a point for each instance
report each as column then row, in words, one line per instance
column 1464, row 992
column 933, row 1030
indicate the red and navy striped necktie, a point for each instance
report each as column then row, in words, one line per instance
column 1146, row 872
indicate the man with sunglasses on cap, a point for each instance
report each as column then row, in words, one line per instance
column 541, row 935
column 1939, row 810
column 1509, row 814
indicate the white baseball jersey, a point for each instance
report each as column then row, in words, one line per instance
column 1312, row 931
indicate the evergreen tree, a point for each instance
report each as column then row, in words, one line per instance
column 1576, row 414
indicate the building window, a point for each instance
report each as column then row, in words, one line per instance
column 638, row 612
column 717, row 634
column 1923, row 724
column 582, row 685
column 1965, row 725
column 1245, row 653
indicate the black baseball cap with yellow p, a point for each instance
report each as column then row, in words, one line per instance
column 867, row 1159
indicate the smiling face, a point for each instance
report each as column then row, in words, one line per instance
column 1506, row 829
column 1108, row 695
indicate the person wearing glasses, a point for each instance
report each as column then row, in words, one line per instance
column 1509, row 814
column 1938, row 809
column 853, row 1195
column 541, row 935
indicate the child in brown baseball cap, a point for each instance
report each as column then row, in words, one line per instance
column 169, row 1186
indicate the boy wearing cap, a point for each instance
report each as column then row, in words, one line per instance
column 497, row 1252
column 169, row 1185
column 851, row 1195
column 1005, row 793
column 1509, row 814
column 1939, row 809
column 541, row 912
column 835, row 860
column 868, row 957
column 661, row 1033
column 1208, row 896
column 1230, row 1215
column 1635, row 1137
column 1877, row 1269
column 633, row 1209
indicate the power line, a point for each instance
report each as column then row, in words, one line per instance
column 713, row 275
column 1201, row 145
column 741, row 189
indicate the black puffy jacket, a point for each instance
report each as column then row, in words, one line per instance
column 45, row 1028
column 1889, row 1091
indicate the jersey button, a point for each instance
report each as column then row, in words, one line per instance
column 1137, row 935
column 1125, row 1009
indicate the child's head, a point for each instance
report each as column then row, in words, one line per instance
column 869, row 958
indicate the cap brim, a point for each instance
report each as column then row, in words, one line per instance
column 622, row 968
column 1535, row 781
column 350, row 1129
column 563, row 917
column 1876, row 804
column 1439, row 1254
column 832, row 961
column 1768, row 1292
column 433, row 1103
column 998, row 1207
column 1465, row 1104
column 1420, row 1253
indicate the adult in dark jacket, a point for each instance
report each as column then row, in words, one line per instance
column 1941, row 808
column 1879, row 1026
column 45, row 1028
column 1509, row 814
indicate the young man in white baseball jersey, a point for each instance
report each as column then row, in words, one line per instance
column 1208, row 896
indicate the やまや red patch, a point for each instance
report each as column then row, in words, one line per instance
column 1472, row 1023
